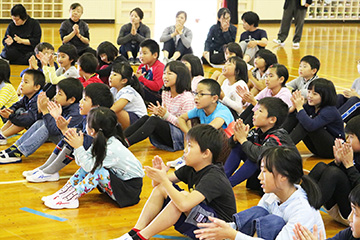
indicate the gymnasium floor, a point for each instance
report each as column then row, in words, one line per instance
column 23, row 215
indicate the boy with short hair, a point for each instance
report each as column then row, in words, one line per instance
column 210, row 193
column 150, row 72
column 23, row 113
column 94, row 95
column 253, row 38
column 87, row 65
column 308, row 69
column 66, row 104
column 248, row 144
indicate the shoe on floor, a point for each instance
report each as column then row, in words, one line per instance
column 279, row 42
column 3, row 140
column 126, row 236
column 40, row 176
column 50, row 197
column 30, row 172
column 296, row 45
column 60, row 203
column 6, row 160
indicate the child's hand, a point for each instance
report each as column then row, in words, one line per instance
column 9, row 40
column 157, row 110
column 73, row 138
column 51, row 59
column 350, row 93
column 252, row 44
column 241, row 91
column 42, row 102
column 302, row 233
column 297, row 100
column 138, row 73
column 44, row 59
column 343, row 153
column 54, row 109
column 63, row 124
column 157, row 175
column 217, row 229
column 241, row 131
column 5, row 113
column 33, row 63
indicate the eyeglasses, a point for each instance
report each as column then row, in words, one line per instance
column 202, row 94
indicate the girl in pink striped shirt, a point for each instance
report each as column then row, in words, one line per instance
column 162, row 125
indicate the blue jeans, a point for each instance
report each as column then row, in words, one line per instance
column 34, row 137
column 258, row 219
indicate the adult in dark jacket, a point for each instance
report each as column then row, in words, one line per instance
column 21, row 36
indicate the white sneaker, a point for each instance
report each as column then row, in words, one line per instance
column 29, row 173
column 176, row 162
column 279, row 42
column 296, row 45
column 6, row 160
column 3, row 141
column 50, row 197
column 60, row 203
column 126, row 236
column 40, row 176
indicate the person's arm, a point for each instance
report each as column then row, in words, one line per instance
column 85, row 36
column 119, row 105
column 230, row 35
column 186, row 105
column 258, row 83
column 123, row 37
column 217, row 122
column 182, row 122
column 186, row 37
column 167, row 34
column 35, row 36
column 208, row 41
column 157, row 82
column 50, row 75
column 66, row 31
column 233, row 100
column 27, row 118
column 325, row 117
column 143, row 34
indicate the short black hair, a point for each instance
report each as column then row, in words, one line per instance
column 43, row 45
column 269, row 57
column 183, row 78
column 281, row 71
column 275, row 107
column 354, row 196
column 88, row 63
column 222, row 12
column 251, row 18
column 139, row 12
column 313, row 61
column 241, row 71
column 75, row 5
column 353, row 126
column 99, row 94
column 38, row 77
column 234, row 47
column 207, row 137
column 4, row 71
column 19, row 10
column 69, row 50
column 152, row 45
column 72, row 87
column 195, row 63
column 213, row 86
column 181, row 12
column 326, row 89
column 109, row 49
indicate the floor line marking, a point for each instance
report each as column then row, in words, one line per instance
column 171, row 237
column 29, row 210
column 24, row 181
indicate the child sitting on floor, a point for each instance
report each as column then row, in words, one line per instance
column 87, row 65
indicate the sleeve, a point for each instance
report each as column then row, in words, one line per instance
column 27, row 118
column 64, row 29
column 8, row 32
column 186, row 105
column 50, row 124
column 233, row 100
column 127, row 94
column 293, row 84
column 84, row 158
column 324, row 117
column 36, row 34
column 344, row 234
column 123, row 37
column 166, row 35
column 50, row 75
column 225, row 114
column 186, row 37
column 211, row 185
column 353, row 175
column 145, row 33
column 18, row 104
column 86, row 30
column 193, row 113
column 157, row 82
column 209, row 40
column 263, row 34
column 7, row 92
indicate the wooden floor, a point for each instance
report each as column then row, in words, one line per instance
column 98, row 217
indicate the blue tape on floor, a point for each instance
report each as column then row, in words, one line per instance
column 171, row 237
column 43, row 214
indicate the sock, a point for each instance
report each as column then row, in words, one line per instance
column 11, row 148
column 138, row 236
column 133, row 231
column 128, row 143
column 15, row 153
column 70, row 194
column 54, row 165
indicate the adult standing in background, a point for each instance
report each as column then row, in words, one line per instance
column 131, row 35
column 293, row 9
column 21, row 36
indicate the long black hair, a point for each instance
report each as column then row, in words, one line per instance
column 126, row 72
column 241, row 72
column 288, row 163
column 104, row 122
column 183, row 78
column 4, row 71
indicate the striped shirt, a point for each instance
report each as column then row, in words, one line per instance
column 176, row 106
column 8, row 95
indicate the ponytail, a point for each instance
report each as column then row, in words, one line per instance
column 99, row 149
column 135, row 84
column 312, row 190
column 120, row 134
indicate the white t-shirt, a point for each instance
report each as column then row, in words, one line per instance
column 232, row 99
column 136, row 103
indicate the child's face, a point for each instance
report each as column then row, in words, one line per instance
column 104, row 58
column 272, row 80
column 85, row 105
column 134, row 18
column 228, row 69
column 314, row 98
column 187, row 64
column 259, row 63
column 75, row 14
column 192, row 153
column 47, row 51
column 246, row 26
column 146, row 57
column 169, row 78
column 203, row 98
column 267, row 179
column 261, row 119
column 354, row 141
column 305, row 70
column 115, row 80
column 64, row 60
column 27, row 87
column 181, row 19
column 354, row 219
column 229, row 54
column 60, row 98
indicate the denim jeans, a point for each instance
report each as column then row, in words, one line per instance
column 34, row 137
column 258, row 219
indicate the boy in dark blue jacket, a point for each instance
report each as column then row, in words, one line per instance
column 23, row 113
column 66, row 104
